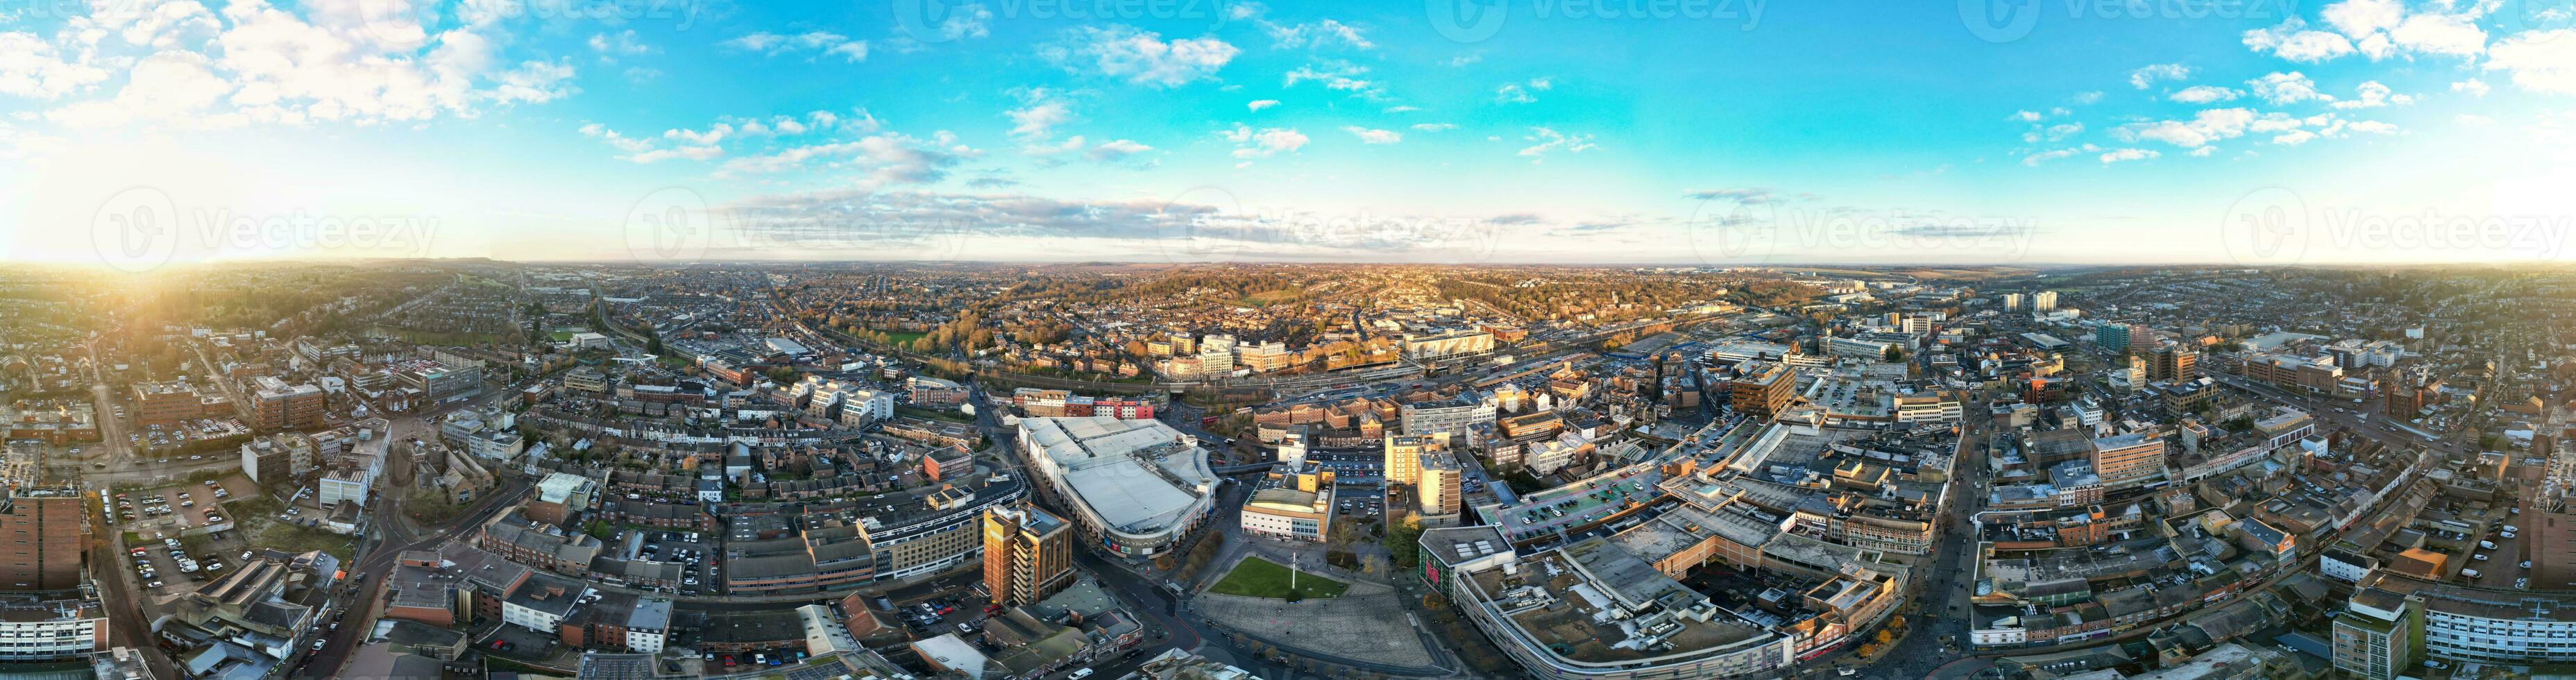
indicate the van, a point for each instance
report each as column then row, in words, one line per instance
column 2490, row 545
column 2471, row 573
column 1079, row 675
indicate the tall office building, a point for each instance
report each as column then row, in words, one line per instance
column 2112, row 337
column 2012, row 302
column 1404, row 455
column 1028, row 554
column 276, row 405
column 45, row 535
column 2175, row 362
column 1216, row 355
column 1437, row 490
column 2378, row 635
column 2128, row 459
column 2044, row 301
column 1764, row 389
column 166, row 403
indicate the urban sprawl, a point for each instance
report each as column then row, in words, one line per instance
column 478, row 469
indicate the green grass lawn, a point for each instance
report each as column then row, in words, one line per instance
column 1258, row 577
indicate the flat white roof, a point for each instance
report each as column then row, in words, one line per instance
column 1105, row 462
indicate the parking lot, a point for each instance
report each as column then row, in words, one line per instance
column 696, row 552
column 961, row 615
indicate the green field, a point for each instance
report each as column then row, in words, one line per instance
column 1258, row 577
column 903, row 338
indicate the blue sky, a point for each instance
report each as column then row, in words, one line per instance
column 1649, row 132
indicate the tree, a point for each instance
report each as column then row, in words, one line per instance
column 1894, row 354
column 782, row 375
column 1402, row 539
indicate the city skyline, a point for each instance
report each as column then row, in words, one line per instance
column 2362, row 131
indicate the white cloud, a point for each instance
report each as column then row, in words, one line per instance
column 1335, row 75
column 2063, row 130
column 2538, row 61
column 818, row 42
column 1117, row 149
column 2205, row 127
column 2054, row 154
column 2287, row 88
column 258, row 64
column 1317, row 34
column 1250, row 143
column 2377, row 29
column 2205, row 94
column 1259, row 104
column 2025, row 116
column 623, row 43
column 2374, row 95
column 881, row 160
column 2358, row 19
column 966, row 21
column 31, row 67
column 1141, row 57
column 1040, row 112
column 2291, row 40
column 2473, row 87
column 176, row 88
column 1550, row 141
column 2444, row 34
column 2087, row 98
column 2294, row 137
column 1372, row 136
column 713, row 134
column 1519, row 93
column 2118, row 155
column 2149, row 74
column 2372, row 127
column 1435, row 127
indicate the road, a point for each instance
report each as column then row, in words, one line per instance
column 377, row 558
column 127, row 625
